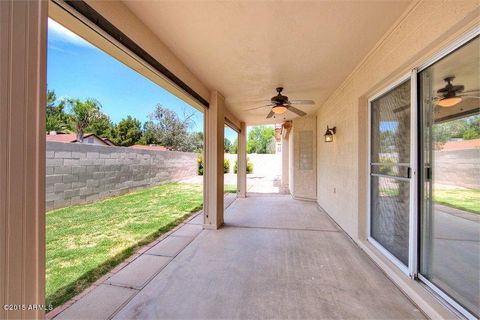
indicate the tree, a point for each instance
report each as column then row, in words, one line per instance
column 82, row 113
column 226, row 145
column 234, row 147
column 473, row 129
column 128, row 132
column 102, row 126
column 464, row 128
column 148, row 136
column 169, row 130
column 197, row 141
column 57, row 119
column 260, row 140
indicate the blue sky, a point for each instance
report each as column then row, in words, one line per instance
column 77, row 69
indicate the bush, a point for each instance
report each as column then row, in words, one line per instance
column 387, row 167
column 249, row 166
column 200, row 165
column 226, row 166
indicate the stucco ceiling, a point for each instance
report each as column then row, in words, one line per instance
column 246, row 49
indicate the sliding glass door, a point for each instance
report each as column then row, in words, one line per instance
column 424, row 176
column 390, row 173
column 450, row 184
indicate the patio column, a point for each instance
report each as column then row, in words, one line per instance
column 213, row 156
column 242, row 161
column 23, row 40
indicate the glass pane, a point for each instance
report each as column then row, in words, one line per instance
column 390, row 156
column 390, row 170
column 450, row 220
column 390, row 131
column 389, row 215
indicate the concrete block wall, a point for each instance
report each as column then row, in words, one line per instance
column 82, row 173
column 458, row 168
column 263, row 164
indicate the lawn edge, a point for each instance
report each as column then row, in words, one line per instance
column 117, row 263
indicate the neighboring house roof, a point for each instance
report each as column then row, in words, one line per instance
column 462, row 145
column 72, row 138
column 64, row 137
column 154, row 148
column 109, row 142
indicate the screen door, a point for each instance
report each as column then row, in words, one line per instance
column 390, row 171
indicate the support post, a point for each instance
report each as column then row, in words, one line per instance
column 23, row 40
column 242, row 161
column 213, row 157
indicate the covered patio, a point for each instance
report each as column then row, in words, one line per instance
column 354, row 230
column 276, row 257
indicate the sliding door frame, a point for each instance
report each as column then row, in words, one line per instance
column 416, row 164
column 475, row 32
column 411, row 268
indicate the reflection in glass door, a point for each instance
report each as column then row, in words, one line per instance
column 390, row 172
column 450, row 192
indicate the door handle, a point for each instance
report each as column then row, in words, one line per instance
column 428, row 173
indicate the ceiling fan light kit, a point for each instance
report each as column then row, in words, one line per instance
column 449, row 93
column 449, row 102
column 279, row 109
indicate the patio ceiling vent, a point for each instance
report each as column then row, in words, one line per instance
column 329, row 134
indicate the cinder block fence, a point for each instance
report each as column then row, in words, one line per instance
column 82, row 173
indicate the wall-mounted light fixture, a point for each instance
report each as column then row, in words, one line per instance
column 329, row 134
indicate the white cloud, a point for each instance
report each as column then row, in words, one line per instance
column 57, row 32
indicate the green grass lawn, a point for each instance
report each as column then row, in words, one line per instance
column 84, row 242
column 463, row 199
column 230, row 188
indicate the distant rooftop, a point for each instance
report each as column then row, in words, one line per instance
column 72, row 138
column 150, row 147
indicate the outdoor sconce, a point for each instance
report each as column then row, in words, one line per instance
column 329, row 134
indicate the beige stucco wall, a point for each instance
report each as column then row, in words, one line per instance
column 423, row 30
column 304, row 180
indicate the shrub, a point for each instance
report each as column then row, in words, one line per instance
column 387, row 167
column 226, row 166
column 200, row 165
column 249, row 166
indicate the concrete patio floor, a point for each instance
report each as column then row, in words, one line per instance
column 274, row 258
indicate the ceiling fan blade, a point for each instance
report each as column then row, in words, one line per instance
column 270, row 114
column 267, row 105
column 402, row 108
column 471, row 97
column 297, row 111
column 302, row 102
